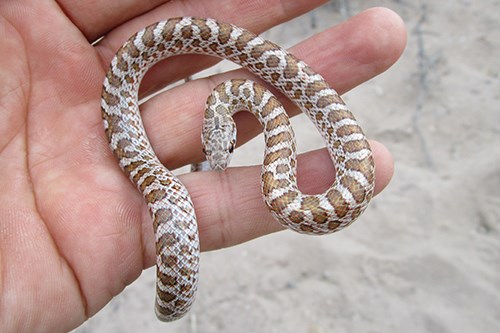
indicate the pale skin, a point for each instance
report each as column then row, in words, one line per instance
column 73, row 229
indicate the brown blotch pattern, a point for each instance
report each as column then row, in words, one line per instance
column 169, row 28
column 196, row 43
column 235, row 86
column 165, row 241
column 224, row 34
column 365, row 166
column 146, row 182
column 148, row 36
column 306, row 228
column 324, row 101
column 161, row 47
column 132, row 50
column 333, row 225
column 180, row 303
column 259, row 50
column 283, row 201
column 110, row 99
column 121, row 63
column 205, row 32
column 291, row 69
column 166, row 280
column 276, row 155
column 165, row 296
column 258, row 93
column 132, row 166
column 315, row 87
column 356, row 145
column 156, row 195
column 296, row 217
column 270, row 183
column 309, row 202
column 187, row 32
column 121, row 151
column 282, row 137
column 170, row 260
column 224, row 98
column 273, row 61
column 337, row 201
column 139, row 174
column 179, row 44
column 298, row 94
column 166, row 182
column 228, row 51
column 308, row 105
column 338, row 115
column 136, row 67
column 357, row 191
column 320, row 215
column 276, row 122
column 185, row 288
column 275, row 76
column 347, row 130
column 271, row 104
column 114, row 123
column 167, row 312
column 162, row 215
column 243, row 58
column 113, row 79
column 185, row 271
column 243, row 40
column 283, row 168
column 259, row 65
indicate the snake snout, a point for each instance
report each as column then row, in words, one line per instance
column 219, row 163
column 219, row 167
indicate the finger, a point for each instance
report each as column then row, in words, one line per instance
column 96, row 18
column 230, row 208
column 361, row 49
column 386, row 25
column 240, row 12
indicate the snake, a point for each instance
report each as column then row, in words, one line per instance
column 171, row 208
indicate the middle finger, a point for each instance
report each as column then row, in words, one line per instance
column 174, row 118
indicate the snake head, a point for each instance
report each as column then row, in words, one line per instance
column 219, row 140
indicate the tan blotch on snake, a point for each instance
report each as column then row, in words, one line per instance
column 171, row 208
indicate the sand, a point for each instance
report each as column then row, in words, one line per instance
column 426, row 255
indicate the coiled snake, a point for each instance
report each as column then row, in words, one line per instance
column 171, row 208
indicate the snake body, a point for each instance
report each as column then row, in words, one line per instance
column 171, row 208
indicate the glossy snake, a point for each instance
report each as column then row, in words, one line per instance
column 171, row 208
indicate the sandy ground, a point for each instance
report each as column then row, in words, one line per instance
column 426, row 255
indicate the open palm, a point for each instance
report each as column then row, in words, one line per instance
column 73, row 230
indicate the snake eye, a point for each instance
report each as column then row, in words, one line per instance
column 231, row 149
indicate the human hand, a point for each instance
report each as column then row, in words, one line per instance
column 73, row 229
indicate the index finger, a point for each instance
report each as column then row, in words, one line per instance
column 99, row 17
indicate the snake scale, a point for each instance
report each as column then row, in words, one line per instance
column 172, row 211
